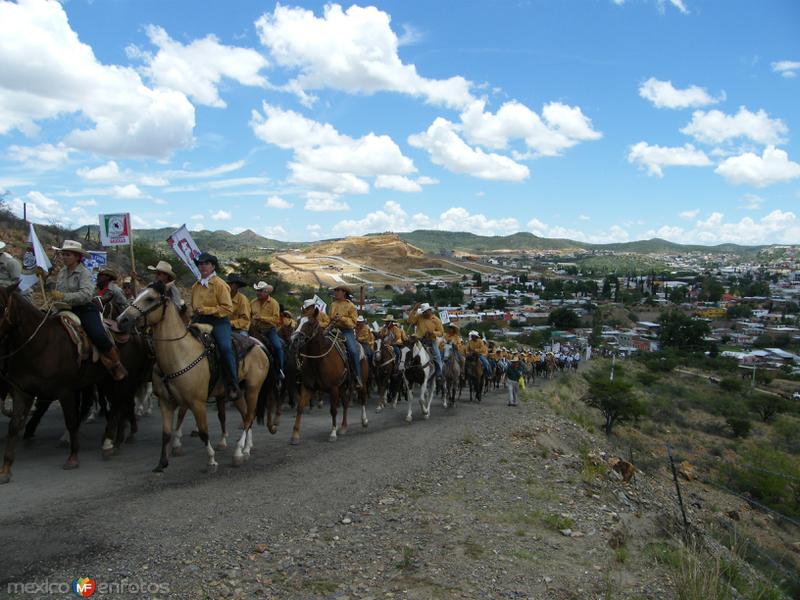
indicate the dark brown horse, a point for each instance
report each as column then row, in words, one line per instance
column 475, row 376
column 384, row 367
column 42, row 361
column 324, row 369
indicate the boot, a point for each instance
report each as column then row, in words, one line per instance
column 112, row 363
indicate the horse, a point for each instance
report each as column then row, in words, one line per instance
column 550, row 365
column 325, row 368
column 452, row 373
column 417, row 367
column 498, row 372
column 183, row 374
column 383, row 368
column 475, row 376
column 41, row 361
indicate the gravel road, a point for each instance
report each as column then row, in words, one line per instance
column 391, row 511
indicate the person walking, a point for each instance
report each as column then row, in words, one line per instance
column 513, row 375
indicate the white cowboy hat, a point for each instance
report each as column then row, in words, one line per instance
column 263, row 286
column 308, row 303
column 71, row 246
column 162, row 267
column 388, row 318
column 474, row 333
column 361, row 319
column 423, row 307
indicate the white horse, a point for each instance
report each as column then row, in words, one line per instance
column 420, row 372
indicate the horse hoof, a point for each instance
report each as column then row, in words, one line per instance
column 108, row 453
column 408, row 419
column 294, row 441
column 332, row 438
column 238, row 461
column 364, row 423
column 221, row 446
column 211, row 469
column 69, row 465
column 5, row 478
column 62, row 444
column 159, row 469
column 273, row 430
column 342, row 430
column 177, row 451
column 427, row 416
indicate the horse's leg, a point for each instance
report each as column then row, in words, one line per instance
column 112, row 436
column 243, row 405
column 177, row 444
column 305, row 394
column 21, row 406
column 72, row 419
column 223, row 440
column 198, row 409
column 426, row 395
column 38, row 412
column 167, row 408
column 334, row 408
column 409, row 418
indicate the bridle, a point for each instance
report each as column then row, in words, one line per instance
column 302, row 339
column 162, row 304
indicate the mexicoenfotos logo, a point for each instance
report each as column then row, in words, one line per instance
column 84, row 586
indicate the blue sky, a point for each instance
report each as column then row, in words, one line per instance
column 598, row 120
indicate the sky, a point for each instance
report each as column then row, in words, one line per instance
column 595, row 120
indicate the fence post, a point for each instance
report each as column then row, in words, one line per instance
column 677, row 486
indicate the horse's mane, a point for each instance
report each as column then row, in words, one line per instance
column 28, row 308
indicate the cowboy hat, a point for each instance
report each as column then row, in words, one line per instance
column 453, row 325
column 308, row 303
column 108, row 272
column 71, row 246
column 237, row 279
column 474, row 333
column 424, row 307
column 163, row 267
column 205, row 257
column 263, row 286
column 361, row 319
column 2, row 245
column 286, row 313
column 388, row 319
column 344, row 288
column 127, row 281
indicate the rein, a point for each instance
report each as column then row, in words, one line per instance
column 7, row 318
column 328, row 351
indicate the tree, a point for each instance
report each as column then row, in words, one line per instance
column 615, row 399
column 711, row 290
column 766, row 405
column 564, row 318
column 678, row 330
column 596, row 337
column 677, row 295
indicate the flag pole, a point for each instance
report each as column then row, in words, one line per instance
column 133, row 259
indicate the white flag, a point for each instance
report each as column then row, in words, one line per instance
column 39, row 258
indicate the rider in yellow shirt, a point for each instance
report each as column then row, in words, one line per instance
column 428, row 328
column 343, row 315
column 478, row 347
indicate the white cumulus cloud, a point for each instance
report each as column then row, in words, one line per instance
column 664, row 95
column 222, row 215
column 689, row 214
column 773, row 166
column 277, row 202
column 398, row 183
column 106, row 172
column 656, row 157
column 43, row 156
column 716, row 127
column 353, row 50
column 786, row 68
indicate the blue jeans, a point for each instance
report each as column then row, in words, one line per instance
column 222, row 335
column 93, row 325
column 398, row 354
column 368, row 351
column 277, row 345
column 485, row 363
column 437, row 357
column 352, row 350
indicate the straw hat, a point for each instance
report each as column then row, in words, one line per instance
column 474, row 333
column 361, row 319
column 388, row 319
column 71, row 246
column 163, row 267
column 2, row 245
column 263, row 286
column 108, row 272
column 308, row 303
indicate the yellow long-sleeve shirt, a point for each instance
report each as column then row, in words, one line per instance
column 322, row 317
column 426, row 327
column 364, row 336
column 240, row 319
column 346, row 311
column 214, row 300
column 454, row 339
column 477, row 347
column 266, row 312
column 395, row 332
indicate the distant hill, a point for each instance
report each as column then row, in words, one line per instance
column 433, row 241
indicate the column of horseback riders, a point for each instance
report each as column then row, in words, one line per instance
column 205, row 349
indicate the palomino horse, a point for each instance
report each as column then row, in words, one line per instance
column 550, row 365
column 324, row 369
column 41, row 361
column 475, row 376
column 452, row 373
column 417, row 367
column 382, row 371
column 182, row 373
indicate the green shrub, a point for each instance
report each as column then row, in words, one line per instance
column 770, row 476
column 740, row 425
column 786, row 431
column 615, row 399
column 766, row 405
column 646, row 379
column 729, row 384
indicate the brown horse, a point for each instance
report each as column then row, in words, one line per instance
column 183, row 372
column 475, row 376
column 324, row 369
column 41, row 361
column 385, row 363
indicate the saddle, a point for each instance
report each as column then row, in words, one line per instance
column 241, row 347
column 72, row 325
column 341, row 348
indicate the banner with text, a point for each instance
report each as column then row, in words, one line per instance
column 115, row 230
column 184, row 247
column 94, row 261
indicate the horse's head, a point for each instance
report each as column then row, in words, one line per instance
column 6, row 294
column 146, row 306
column 307, row 330
column 448, row 351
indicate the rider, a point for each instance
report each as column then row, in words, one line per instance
column 109, row 292
column 10, row 271
column 343, row 315
column 478, row 347
column 392, row 334
column 240, row 318
column 212, row 305
column 267, row 318
column 428, row 329
column 311, row 311
column 127, row 289
column 452, row 337
column 75, row 288
column 163, row 273
column 365, row 337
column 287, row 320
